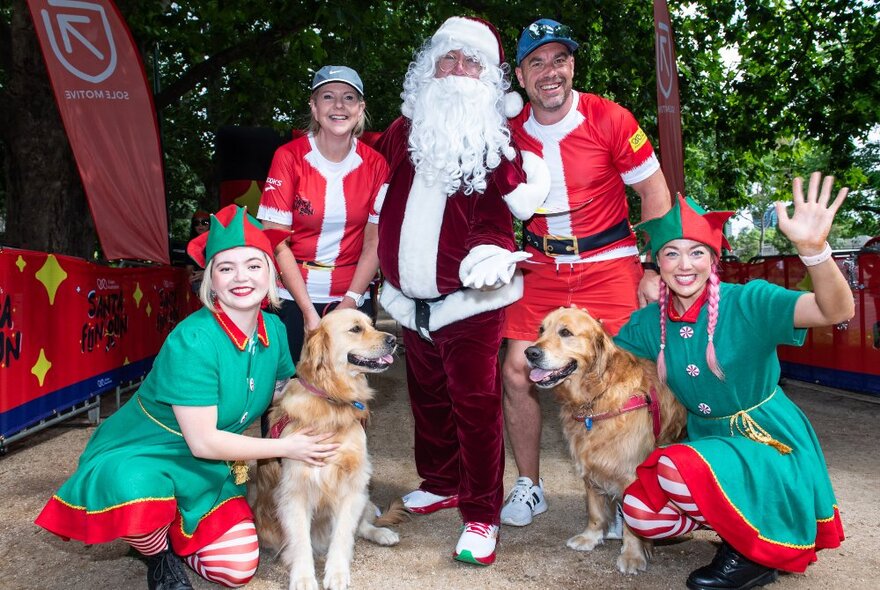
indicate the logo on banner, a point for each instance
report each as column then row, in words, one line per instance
column 665, row 63
column 169, row 312
column 107, row 320
column 80, row 36
column 10, row 338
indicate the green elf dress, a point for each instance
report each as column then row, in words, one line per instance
column 751, row 459
column 137, row 473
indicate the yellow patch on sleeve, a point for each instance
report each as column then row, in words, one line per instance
column 638, row 140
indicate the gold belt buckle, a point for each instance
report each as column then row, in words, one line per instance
column 573, row 249
column 316, row 265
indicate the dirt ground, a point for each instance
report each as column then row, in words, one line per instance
column 534, row 557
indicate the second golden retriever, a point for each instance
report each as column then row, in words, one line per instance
column 301, row 509
column 614, row 412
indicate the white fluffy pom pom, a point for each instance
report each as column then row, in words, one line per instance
column 513, row 104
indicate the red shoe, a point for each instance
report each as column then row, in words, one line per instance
column 422, row 502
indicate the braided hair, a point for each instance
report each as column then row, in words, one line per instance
column 714, row 286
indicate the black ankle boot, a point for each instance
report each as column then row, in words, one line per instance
column 165, row 571
column 730, row 571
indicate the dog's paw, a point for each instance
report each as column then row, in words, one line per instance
column 586, row 541
column 631, row 564
column 303, row 583
column 381, row 536
column 337, row 580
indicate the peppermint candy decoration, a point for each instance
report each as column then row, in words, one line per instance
column 705, row 409
column 686, row 332
column 693, row 370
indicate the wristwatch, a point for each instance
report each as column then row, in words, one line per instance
column 651, row 266
column 357, row 297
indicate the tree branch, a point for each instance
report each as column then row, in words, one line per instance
column 210, row 68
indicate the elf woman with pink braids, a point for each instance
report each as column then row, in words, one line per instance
column 751, row 467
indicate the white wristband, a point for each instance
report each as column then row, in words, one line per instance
column 358, row 298
column 817, row 258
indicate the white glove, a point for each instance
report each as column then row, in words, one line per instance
column 489, row 267
column 528, row 196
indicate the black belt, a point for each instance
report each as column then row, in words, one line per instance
column 563, row 245
column 423, row 316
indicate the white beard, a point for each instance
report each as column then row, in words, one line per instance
column 458, row 134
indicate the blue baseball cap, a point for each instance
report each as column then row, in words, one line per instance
column 342, row 74
column 541, row 32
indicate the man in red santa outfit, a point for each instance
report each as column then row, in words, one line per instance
column 447, row 251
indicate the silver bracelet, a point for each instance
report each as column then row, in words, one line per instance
column 817, row 258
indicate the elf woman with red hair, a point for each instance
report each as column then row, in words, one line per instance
column 169, row 464
column 751, row 467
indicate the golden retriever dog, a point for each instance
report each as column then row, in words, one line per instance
column 609, row 400
column 302, row 509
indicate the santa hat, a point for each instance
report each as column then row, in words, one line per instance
column 232, row 227
column 460, row 32
column 687, row 220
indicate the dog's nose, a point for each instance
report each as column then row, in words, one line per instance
column 533, row 353
column 390, row 340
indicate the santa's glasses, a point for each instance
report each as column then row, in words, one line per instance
column 470, row 64
column 540, row 30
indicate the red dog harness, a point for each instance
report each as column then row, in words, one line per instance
column 635, row 402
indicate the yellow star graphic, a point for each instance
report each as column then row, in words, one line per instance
column 250, row 198
column 51, row 275
column 138, row 295
column 41, row 367
column 148, row 309
column 20, row 263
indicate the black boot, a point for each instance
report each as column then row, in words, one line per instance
column 165, row 571
column 730, row 571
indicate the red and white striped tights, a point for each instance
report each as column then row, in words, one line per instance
column 231, row 560
column 679, row 516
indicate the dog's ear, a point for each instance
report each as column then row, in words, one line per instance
column 604, row 346
column 313, row 351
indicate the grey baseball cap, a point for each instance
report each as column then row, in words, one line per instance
column 342, row 74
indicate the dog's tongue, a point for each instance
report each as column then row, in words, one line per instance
column 387, row 359
column 537, row 375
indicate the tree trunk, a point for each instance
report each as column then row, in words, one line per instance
column 46, row 206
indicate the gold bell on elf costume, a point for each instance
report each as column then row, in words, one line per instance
column 686, row 220
column 233, row 227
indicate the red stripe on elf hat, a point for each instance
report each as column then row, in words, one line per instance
column 233, row 227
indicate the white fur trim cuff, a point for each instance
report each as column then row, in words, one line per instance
column 457, row 306
column 528, row 196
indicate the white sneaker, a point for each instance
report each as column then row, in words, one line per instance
column 477, row 543
column 524, row 501
column 615, row 528
column 422, row 502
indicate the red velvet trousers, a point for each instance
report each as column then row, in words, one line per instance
column 455, row 392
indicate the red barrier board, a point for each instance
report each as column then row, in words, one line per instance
column 846, row 356
column 70, row 329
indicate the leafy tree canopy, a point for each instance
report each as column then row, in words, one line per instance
column 769, row 88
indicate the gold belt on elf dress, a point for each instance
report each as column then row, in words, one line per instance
column 743, row 423
column 239, row 469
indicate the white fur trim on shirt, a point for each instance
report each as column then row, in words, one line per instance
column 528, row 196
column 456, row 307
column 420, row 238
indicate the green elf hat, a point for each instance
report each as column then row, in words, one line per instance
column 232, row 227
column 687, row 220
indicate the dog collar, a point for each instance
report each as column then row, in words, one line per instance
column 635, row 402
column 320, row 393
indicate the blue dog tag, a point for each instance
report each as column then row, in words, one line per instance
column 588, row 423
column 358, row 405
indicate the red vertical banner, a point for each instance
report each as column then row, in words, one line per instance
column 668, row 106
column 108, row 113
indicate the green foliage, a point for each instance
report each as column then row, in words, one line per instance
column 769, row 88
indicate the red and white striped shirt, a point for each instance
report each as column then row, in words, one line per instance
column 328, row 205
column 595, row 150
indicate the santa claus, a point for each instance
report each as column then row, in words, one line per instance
column 447, row 251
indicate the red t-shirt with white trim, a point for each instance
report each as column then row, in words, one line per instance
column 327, row 205
column 596, row 149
